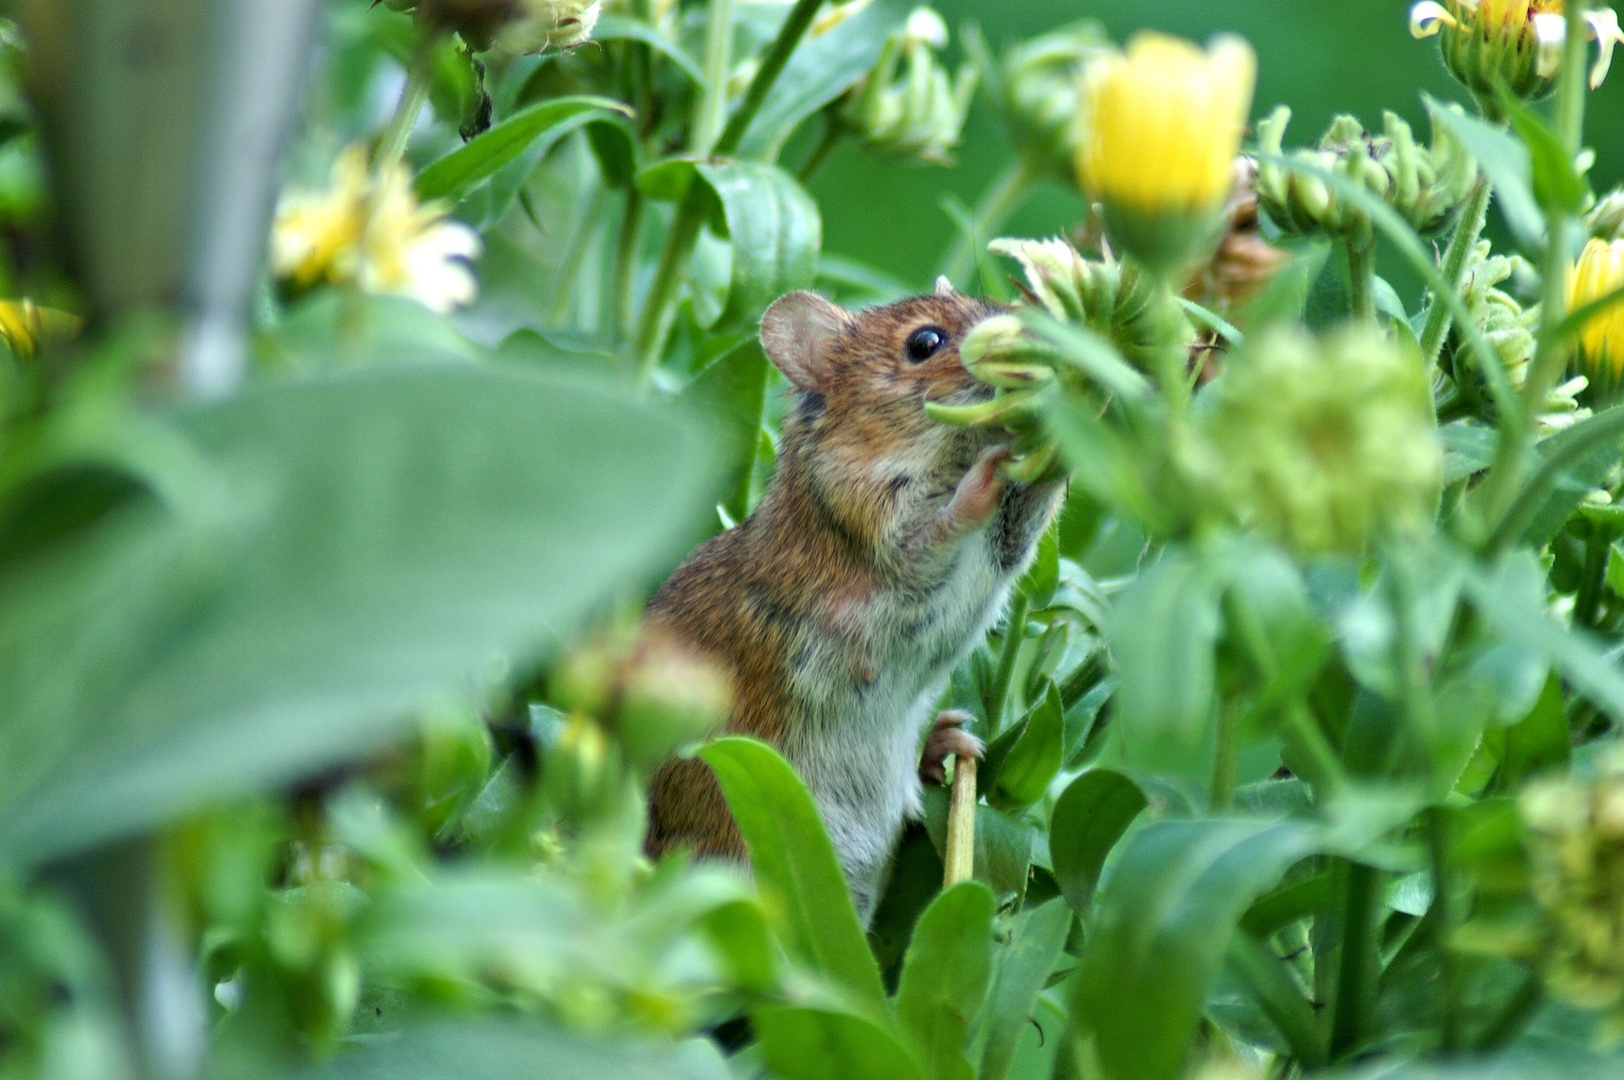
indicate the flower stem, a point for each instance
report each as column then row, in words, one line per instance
column 959, row 858
column 1225, row 760
column 718, row 60
column 1449, row 1016
column 1591, row 577
column 631, row 231
column 1570, row 87
column 1014, row 637
column 655, row 320
column 575, row 253
column 1468, row 227
column 1001, row 199
column 1357, row 962
column 828, row 139
column 1362, row 280
column 392, row 144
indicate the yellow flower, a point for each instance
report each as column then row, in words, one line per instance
column 1163, row 123
column 1517, row 41
column 1600, row 270
column 372, row 231
column 26, row 327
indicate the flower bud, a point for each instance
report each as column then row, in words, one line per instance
column 1605, row 220
column 918, row 114
column 1515, row 43
column 1163, row 122
column 1574, row 832
column 1041, row 78
column 1000, row 352
column 1425, row 185
column 514, row 25
column 1324, row 443
column 1599, row 271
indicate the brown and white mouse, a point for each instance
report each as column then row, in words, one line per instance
column 883, row 550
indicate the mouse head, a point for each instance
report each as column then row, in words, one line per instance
column 864, row 378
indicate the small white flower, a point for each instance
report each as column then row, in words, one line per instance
column 1427, row 18
column 925, row 26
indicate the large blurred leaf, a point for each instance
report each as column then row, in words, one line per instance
column 732, row 390
column 1164, row 922
column 773, row 224
column 1506, row 163
column 488, row 1050
column 373, row 540
column 1572, row 462
column 1031, row 758
column 453, row 175
column 820, row 1044
column 620, row 28
column 795, row 863
column 1003, row 842
column 1088, row 819
column 818, row 72
column 1023, row 966
column 944, row 977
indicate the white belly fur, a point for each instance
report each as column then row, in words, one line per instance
column 858, row 752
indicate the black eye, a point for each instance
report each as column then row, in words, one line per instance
column 924, row 343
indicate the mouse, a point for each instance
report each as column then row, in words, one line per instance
column 885, row 546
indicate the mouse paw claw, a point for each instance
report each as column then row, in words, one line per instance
column 947, row 737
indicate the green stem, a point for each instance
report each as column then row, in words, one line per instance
column 1443, row 930
column 789, row 36
column 642, row 66
column 626, row 246
column 1357, row 963
column 1588, row 600
column 655, row 320
column 828, row 139
column 1014, row 637
column 1001, row 199
column 392, row 144
column 1571, row 80
column 1468, row 227
column 1362, row 280
column 574, row 255
column 1509, row 1022
column 718, row 60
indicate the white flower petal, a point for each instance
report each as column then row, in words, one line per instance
column 1604, row 24
column 1427, row 18
column 1550, row 32
column 927, row 26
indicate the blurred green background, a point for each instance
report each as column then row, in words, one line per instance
column 1318, row 56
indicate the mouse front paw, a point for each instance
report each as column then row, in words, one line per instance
column 947, row 737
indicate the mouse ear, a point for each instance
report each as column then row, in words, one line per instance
column 796, row 333
column 944, row 287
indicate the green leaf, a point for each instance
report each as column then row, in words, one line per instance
column 1023, row 966
column 494, row 1050
column 454, row 175
column 1164, row 923
column 1573, row 461
column 1088, row 819
column 1539, row 742
column 1162, row 632
column 368, row 543
column 944, row 977
column 795, row 863
column 620, row 28
column 1042, row 578
column 773, row 224
column 1509, row 598
column 820, row 1044
column 1558, row 187
column 1507, row 164
column 819, row 71
column 732, row 390
column 1264, row 974
column 1030, row 764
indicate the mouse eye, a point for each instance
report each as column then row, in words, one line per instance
column 924, row 343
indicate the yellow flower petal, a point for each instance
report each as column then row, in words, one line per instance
column 1599, row 271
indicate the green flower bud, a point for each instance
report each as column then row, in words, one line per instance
column 670, row 696
column 1574, row 832
column 1326, row 442
column 1425, row 185
column 1040, row 95
column 1605, row 220
column 919, row 114
column 513, row 25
